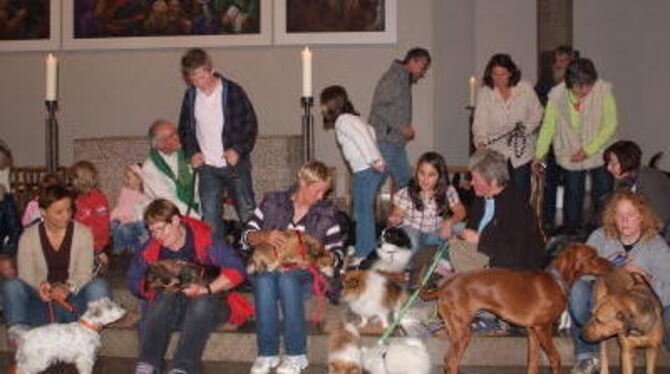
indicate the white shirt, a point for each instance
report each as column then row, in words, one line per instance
column 159, row 186
column 357, row 140
column 209, row 123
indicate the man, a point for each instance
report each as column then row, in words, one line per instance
column 197, row 310
column 166, row 174
column 391, row 113
column 218, row 128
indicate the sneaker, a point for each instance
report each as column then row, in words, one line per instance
column 144, row 368
column 586, row 366
column 292, row 364
column 263, row 364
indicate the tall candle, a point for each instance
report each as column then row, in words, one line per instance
column 52, row 77
column 306, row 72
column 472, row 82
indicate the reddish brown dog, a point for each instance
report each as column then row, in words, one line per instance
column 533, row 299
column 626, row 306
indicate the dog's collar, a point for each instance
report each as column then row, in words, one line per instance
column 556, row 275
column 90, row 325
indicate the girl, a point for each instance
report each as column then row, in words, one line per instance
column 31, row 214
column 128, row 232
column 357, row 141
column 422, row 208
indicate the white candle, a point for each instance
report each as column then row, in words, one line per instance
column 52, row 77
column 306, row 72
column 473, row 83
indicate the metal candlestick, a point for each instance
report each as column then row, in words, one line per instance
column 51, row 136
column 471, row 120
column 307, row 102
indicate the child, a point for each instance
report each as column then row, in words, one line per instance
column 91, row 206
column 357, row 141
column 10, row 225
column 31, row 214
column 128, row 230
column 422, row 207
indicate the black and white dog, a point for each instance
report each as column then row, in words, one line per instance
column 394, row 251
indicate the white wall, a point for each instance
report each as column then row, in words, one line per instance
column 628, row 42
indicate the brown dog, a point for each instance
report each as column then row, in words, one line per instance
column 174, row 275
column 533, row 299
column 301, row 250
column 626, row 306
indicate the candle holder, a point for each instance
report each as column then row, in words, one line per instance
column 307, row 102
column 51, row 136
column 471, row 120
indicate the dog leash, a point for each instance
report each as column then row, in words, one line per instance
column 444, row 248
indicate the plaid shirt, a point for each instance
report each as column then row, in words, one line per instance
column 426, row 220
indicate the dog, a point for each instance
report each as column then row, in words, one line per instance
column 344, row 352
column 626, row 306
column 532, row 299
column 394, row 252
column 75, row 343
column 301, row 250
column 371, row 294
column 173, row 275
column 401, row 356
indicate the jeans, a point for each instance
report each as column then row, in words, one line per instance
column 288, row 291
column 366, row 185
column 580, row 305
column 520, row 179
column 23, row 306
column 128, row 236
column 573, row 202
column 196, row 318
column 395, row 157
column 421, row 240
column 237, row 181
column 552, row 178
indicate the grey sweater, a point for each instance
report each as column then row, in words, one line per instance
column 392, row 105
column 653, row 256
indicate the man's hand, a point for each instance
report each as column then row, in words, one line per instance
column 470, row 236
column 44, row 291
column 194, row 290
column 379, row 165
column 197, row 160
column 231, row 156
column 407, row 132
column 538, row 166
column 579, row 156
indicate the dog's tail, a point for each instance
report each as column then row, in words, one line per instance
column 430, row 294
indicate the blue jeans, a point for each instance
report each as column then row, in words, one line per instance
column 580, row 305
column 520, row 179
column 287, row 290
column 573, row 202
column 196, row 318
column 366, row 185
column 237, row 181
column 128, row 236
column 23, row 306
column 395, row 157
column 421, row 240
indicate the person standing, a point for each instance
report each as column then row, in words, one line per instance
column 218, row 129
column 391, row 113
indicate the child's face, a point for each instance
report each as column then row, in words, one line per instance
column 132, row 180
column 427, row 177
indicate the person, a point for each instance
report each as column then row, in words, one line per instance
column 562, row 56
column 391, row 111
column 357, row 142
column 166, row 173
column 623, row 162
column 580, row 121
column 91, row 206
column 629, row 237
column 502, row 230
column 506, row 117
column 198, row 309
column 300, row 208
column 31, row 214
column 128, row 231
column 10, row 224
column 428, row 208
column 218, row 128
column 54, row 262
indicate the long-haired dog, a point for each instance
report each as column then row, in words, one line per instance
column 401, row 356
column 371, row 294
column 344, row 352
column 394, row 252
column 301, row 250
column 75, row 343
column 174, row 275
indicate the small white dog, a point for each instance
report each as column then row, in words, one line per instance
column 402, row 356
column 76, row 343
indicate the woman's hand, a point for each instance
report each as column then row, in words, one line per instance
column 194, row 290
column 579, row 156
column 394, row 220
column 275, row 238
column 60, row 292
column 44, row 291
column 469, row 235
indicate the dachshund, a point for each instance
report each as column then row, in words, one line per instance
column 174, row 275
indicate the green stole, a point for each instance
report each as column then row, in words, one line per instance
column 183, row 180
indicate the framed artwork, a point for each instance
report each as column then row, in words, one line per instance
column 134, row 24
column 335, row 22
column 30, row 25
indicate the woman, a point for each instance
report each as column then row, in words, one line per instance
column 55, row 262
column 629, row 237
column 506, row 116
column 300, row 208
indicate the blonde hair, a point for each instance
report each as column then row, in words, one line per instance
column 650, row 224
column 84, row 176
column 314, row 171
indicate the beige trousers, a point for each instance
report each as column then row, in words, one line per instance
column 464, row 256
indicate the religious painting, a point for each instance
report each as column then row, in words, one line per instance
column 102, row 24
column 29, row 25
column 335, row 21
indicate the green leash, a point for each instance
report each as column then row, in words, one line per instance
column 408, row 304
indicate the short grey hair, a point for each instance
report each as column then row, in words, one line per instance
column 153, row 129
column 491, row 165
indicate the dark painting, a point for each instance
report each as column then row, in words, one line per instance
column 335, row 15
column 24, row 19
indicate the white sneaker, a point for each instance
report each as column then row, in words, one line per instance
column 292, row 364
column 263, row 364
